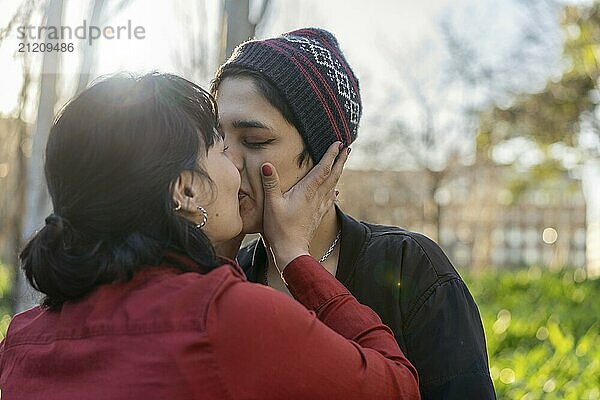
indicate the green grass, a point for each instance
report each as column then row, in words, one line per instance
column 5, row 286
column 542, row 329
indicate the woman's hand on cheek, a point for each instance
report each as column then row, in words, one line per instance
column 290, row 219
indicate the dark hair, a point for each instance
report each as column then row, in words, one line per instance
column 269, row 91
column 112, row 157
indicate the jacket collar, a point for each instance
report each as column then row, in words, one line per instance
column 353, row 239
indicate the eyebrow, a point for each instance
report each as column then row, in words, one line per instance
column 241, row 124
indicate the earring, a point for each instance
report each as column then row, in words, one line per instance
column 204, row 217
column 178, row 207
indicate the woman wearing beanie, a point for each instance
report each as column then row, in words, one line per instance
column 286, row 99
column 138, row 305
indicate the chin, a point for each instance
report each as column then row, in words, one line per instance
column 240, row 226
column 251, row 216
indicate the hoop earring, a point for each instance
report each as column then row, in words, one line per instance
column 178, row 207
column 204, row 217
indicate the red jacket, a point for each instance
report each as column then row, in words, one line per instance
column 172, row 335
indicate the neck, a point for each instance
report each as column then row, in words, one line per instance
column 324, row 237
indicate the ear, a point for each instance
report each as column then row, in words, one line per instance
column 183, row 191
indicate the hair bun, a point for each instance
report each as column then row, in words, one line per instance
column 54, row 219
column 55, row 227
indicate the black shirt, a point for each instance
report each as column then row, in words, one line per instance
column 408, row 280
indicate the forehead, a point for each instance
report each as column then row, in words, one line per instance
column 239, row 99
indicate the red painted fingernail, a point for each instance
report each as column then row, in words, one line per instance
column 341, row 145
column 266, row 170
column 349, row 150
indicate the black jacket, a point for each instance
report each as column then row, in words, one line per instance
column 408, row 280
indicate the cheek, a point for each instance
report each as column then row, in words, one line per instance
column 252, row 174
column 233, row 175
column 289, row 173
column 285, row 164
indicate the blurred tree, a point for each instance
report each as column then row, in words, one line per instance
column 543, row 128
column 201, row 51
column 98, row 14
column 443, row 98
column 431, row 117
column 238, row 25
column 30, row 202
column 432, row 141
column 565, row 108
column 37, row 200
column 14, row 152
column 194, row 56
column 88, row 51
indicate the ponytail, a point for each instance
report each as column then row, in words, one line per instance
column 65, row 264
column 57, row 265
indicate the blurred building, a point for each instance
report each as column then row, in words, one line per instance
column 481, row 222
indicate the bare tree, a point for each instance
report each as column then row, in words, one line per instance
column 14, row 152
column 200, row 52
column 434, row 139
column 29, row 200
column 88, row 52
column 237, row 24
column 194, row 56
column 37, row 199
column 15, row 218
column 444, row 96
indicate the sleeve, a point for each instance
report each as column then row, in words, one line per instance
column 269, row 346
column 444, row 335
column 2, row 374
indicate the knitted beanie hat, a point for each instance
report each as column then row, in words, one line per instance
column 312, row 74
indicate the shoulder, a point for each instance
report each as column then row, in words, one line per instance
column 155, row 300
column 187, row 296
column 162, row 286
column 413, row 249
column 20, row 322
column 397, row 258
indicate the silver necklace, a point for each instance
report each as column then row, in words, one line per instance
column 330, row 249
column 323, row 258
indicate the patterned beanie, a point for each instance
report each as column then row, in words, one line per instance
column 312, row 74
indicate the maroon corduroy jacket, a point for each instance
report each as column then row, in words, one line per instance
column 172, row 335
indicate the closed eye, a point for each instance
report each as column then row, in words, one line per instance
column 257, row 145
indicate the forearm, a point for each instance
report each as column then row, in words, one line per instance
column 320, row 292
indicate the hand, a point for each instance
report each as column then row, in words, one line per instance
column 290, row 220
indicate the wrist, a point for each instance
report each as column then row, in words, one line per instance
column 285, row 256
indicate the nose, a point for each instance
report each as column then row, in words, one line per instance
column 235, row 155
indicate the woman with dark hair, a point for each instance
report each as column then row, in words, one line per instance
column 138, row 304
